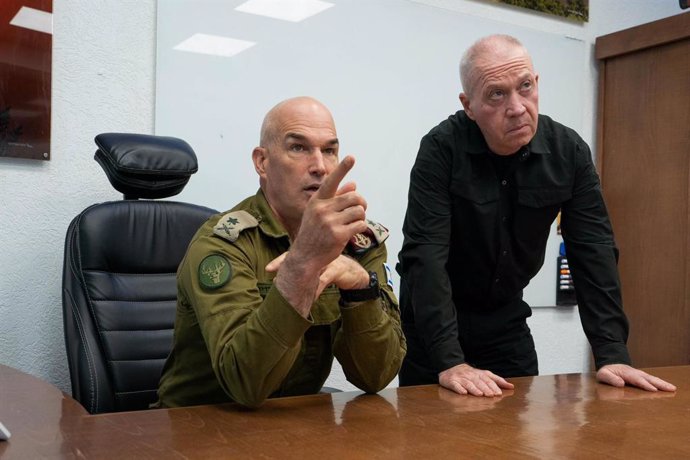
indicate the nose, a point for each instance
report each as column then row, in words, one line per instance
column 317, row 167
column 515, row 106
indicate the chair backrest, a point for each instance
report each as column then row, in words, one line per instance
column 119, row 278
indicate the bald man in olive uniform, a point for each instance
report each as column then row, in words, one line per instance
column 271, row 291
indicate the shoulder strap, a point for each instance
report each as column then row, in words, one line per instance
column 233, row 223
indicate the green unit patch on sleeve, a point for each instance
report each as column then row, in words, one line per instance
column 214, row 271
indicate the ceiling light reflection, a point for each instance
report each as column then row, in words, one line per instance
column 31, row 18
column 286, row 10
column 214, row 45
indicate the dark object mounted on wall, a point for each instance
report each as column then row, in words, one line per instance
column 683, row 4
column 26, row 35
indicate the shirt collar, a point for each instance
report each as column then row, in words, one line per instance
column 476, row 144
column 268, row 221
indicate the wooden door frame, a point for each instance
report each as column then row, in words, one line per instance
column 663, row 31
column 655, row 34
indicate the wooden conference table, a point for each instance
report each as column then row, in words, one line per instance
column 561, row 416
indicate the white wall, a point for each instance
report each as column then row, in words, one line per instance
column 373, row 78
column 103, row 80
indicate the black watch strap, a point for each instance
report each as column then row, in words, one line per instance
column 360, row 295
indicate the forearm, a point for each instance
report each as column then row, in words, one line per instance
column 370, row 345
column 425, row 289
column 599, row 299
column 593, row 258
column 297, row 283
column 254, row 356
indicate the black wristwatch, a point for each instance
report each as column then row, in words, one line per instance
column 360, row 295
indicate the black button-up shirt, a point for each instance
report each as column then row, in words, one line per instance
column 476, row 230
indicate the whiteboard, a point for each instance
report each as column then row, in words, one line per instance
column 387, row 69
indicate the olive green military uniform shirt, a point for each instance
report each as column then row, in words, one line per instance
column 237, row 339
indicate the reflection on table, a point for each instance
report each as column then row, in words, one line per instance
column 561, row 416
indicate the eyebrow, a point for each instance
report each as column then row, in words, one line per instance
column 522, row 76
column 303, row 138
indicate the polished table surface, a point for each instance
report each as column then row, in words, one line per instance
column 559, row 416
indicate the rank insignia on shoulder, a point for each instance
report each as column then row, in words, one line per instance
column 380, row 232
column 214, row 271
column 374, row 235
column 231, row 225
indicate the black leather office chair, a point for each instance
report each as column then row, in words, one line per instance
column 121, row 257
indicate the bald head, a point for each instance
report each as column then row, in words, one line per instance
column 299, row 149
column 501, row 92
column 484, row 51
column 302, row 107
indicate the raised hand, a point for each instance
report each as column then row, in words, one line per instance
column 332, row 216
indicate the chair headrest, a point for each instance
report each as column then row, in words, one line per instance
column 145, row 166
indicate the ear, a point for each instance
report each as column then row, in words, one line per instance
column 259, row 158
column 465, row 101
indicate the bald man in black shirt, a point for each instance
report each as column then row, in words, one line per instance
column 484, row 190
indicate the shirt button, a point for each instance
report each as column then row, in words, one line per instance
column 504, row 182
column 505, row 253
column 497, row 280
column 504, row 218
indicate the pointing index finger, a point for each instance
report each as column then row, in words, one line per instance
column 331, row 183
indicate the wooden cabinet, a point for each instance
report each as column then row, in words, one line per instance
column 643, row 145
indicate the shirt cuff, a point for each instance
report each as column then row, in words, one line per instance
column 359, row 317
column 611, row 353
column 447, row 356
column 281, row 320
